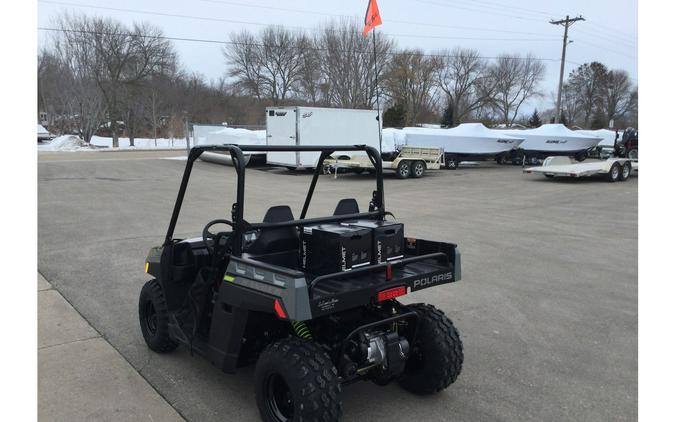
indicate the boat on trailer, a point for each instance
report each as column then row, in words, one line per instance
column 554, row 140
column 466, row 142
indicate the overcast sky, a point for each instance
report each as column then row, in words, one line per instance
column 608, row 35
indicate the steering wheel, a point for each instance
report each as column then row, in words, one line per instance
column 206, row 234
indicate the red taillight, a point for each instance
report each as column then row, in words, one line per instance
column 391, row 293
column 279, row 309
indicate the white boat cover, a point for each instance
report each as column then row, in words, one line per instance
column 606, row 135
column 554, row 137
column 467, row 138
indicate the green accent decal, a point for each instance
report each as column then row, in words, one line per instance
column 229, row 278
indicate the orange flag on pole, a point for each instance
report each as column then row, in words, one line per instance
column 373, row 17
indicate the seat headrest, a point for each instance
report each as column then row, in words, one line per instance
column 278, row 214
column 347, row 206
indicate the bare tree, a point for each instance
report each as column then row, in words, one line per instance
column 75, row 54
column 616, row 95
column 410, row 80
column 516, row 79
column 463, row 77
column 348, row 65
column 269, row 65
column 118, row 58
column 311, row 78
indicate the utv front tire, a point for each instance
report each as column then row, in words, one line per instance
column 436, row 358
column 154, row 318
column 295, row 380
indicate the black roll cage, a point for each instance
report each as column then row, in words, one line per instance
column 240, row 226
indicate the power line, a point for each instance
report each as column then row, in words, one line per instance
column 425, row 24
column 308, row 29
column 215, row 19
column 476, row 7
column 210, row 41
column 567, row 22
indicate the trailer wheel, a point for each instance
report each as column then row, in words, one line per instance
column 436, row 357
column 626, row 170
column 403, row 170
column 614, row 172
column 534, row 161
column 451, row 163
column 295, row 380
column 419, row 167
column 581, row 156
column 153, row 315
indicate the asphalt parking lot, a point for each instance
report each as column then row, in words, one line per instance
column 547, row 308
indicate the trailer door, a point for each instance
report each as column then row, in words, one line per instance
column 281, row 130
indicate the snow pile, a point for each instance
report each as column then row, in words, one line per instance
column 140, row 143
column 41, row 130
column 64, row 143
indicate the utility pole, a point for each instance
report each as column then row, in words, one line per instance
column 567, row 22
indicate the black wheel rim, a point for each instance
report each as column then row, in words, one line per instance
column 150, row 318
column 279, row 398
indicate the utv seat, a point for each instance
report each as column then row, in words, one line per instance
column 347, row 206
column 277, row 239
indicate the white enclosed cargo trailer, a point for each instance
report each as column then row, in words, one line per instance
column 317, row 126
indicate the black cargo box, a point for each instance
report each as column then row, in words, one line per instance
column 331, row 248
column 387, row 239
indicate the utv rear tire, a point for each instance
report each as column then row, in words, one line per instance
column 153, row 315
column 295, row 380
column 437, row 355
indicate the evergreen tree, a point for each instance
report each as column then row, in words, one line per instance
column 394, row 116
column 534, row 120
column 448, row 114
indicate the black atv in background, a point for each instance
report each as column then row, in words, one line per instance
column 627, row 146
column 245, row 294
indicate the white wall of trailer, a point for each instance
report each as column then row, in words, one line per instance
column 312, row 126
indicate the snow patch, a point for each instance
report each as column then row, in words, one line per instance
column 139, row 143
column 65, row 143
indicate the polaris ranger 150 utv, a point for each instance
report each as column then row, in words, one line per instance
column 311, row 301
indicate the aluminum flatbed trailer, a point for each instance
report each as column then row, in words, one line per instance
column 411, row 161
column 613, row 169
